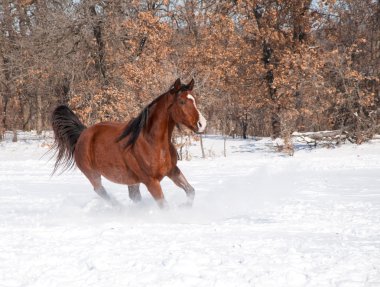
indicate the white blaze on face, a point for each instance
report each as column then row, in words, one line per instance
column 202, row 121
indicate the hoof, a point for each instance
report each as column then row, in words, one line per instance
column 136, row 198
column 187, row 204
column 163, row 204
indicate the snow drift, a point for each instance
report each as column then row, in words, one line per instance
column 259, row 219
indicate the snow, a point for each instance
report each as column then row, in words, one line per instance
column 260, row 218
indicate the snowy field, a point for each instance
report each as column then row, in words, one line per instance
column 259, row 219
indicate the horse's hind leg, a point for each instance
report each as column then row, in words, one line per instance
column 96, row 181
column 134, row 192
column 101, row 191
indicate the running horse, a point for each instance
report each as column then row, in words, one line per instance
column 139, row 151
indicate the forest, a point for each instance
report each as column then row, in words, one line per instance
column 261, row 68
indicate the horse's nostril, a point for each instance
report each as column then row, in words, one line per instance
column 201, row 124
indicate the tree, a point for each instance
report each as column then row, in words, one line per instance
column 265, row 68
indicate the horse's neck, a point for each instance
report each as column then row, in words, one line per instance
column 160, row 126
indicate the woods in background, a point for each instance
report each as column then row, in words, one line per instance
column 263, row 68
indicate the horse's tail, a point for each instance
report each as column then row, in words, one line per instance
column 67, row 128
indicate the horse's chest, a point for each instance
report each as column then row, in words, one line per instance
column 163, row 164
column 157, row 164
column 163, row 161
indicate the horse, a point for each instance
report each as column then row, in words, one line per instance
column 138, row 151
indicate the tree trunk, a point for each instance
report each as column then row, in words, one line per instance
column 14, row 139
column 300, row 20
column 267, row 59
column 2, row 129
column 276, row 108
column 39, row 114
column 100, row 59
column 202, row 148
column 7, row 38
column 225, row 146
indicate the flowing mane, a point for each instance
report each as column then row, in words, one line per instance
column 137, row 124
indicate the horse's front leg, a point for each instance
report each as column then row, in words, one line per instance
column 155, row 190
column 134, row 192
column 180, row 180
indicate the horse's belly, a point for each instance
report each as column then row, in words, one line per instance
column 119, row 178
column 118, row 173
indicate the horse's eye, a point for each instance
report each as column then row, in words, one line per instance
column 182, row 102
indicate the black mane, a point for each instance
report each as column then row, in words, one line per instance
column 136, row 125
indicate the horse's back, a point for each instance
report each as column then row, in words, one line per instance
column 106, row 132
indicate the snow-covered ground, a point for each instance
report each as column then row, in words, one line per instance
column 259, row 219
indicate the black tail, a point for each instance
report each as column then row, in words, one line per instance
column 67, row 128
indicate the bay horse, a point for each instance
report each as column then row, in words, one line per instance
column 139, row 151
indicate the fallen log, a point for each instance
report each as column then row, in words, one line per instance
column 322, row 137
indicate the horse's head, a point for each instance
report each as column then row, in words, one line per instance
column 184, row 109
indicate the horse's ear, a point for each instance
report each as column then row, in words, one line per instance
column 191, row 85
column 177, row 85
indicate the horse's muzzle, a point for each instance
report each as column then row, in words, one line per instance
column 201, row 124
